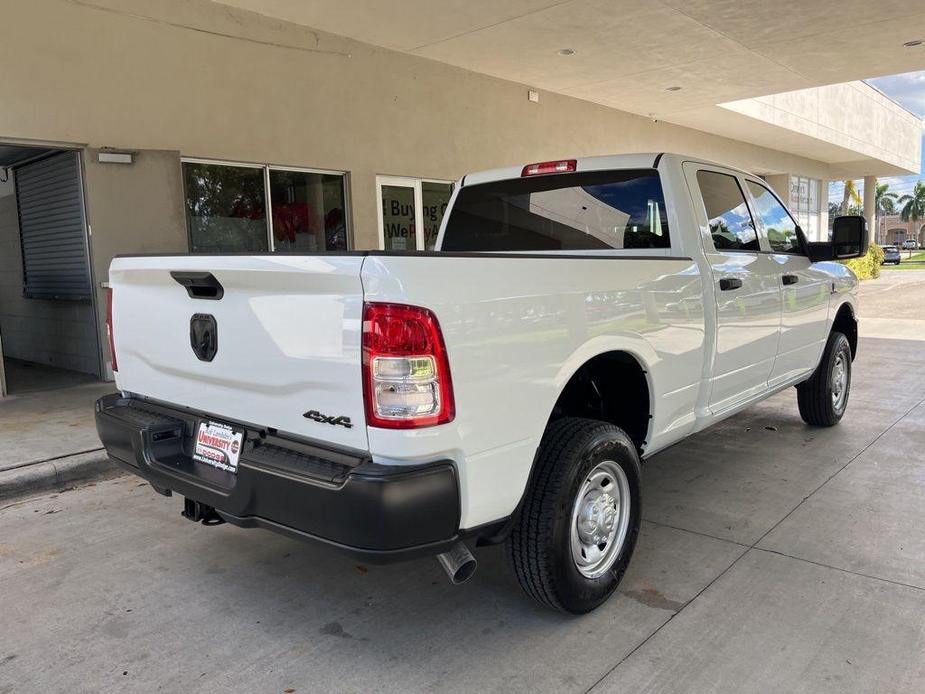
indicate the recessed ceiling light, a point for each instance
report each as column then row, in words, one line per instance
column 566, row 51
column 672, row 89
column 912, row 44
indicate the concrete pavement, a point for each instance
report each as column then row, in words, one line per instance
column 48, row 440
column 774, row 557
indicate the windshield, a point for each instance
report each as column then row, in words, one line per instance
column 597, row 210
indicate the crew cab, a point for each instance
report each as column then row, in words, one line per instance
column 576, row 317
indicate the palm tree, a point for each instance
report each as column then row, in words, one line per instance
column 885, row 203
column 913, row 209
column 850, row 195
column 913, row 206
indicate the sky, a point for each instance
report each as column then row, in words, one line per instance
column 908, row 90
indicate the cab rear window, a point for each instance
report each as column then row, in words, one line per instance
column 599, row 210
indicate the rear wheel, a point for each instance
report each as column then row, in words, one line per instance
column 576, row 532
column 823, row 399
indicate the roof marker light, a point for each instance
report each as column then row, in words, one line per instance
column 550, row 167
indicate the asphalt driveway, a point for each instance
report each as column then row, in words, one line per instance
column 774, row 557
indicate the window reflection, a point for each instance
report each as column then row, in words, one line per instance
column 731, row 224
column 308, row 211
column 778, row 224
column 577, row 211
column 225, row 208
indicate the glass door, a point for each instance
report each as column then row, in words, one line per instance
column 435, row 198
column 410, row 212
column 399, row 212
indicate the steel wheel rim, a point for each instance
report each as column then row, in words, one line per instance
column 600, row 519
column 839, row 381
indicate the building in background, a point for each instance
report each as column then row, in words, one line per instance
column 263, row 127
column 893, row 231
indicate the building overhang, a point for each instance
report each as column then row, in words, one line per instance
column 706, row 65
column 853, row 127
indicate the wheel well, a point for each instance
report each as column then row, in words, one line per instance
column 846, row 324
column 611, row 387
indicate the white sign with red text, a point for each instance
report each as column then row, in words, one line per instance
column 218, row 445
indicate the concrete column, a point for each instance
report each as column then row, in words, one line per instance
column 870, row 212
column 824, row 221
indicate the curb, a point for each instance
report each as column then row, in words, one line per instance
column 56, row 475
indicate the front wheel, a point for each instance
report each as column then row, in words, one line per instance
column 578, row 526
column 823, row 399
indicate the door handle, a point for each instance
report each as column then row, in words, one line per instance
column 200, row 285
column 728, row 283
column 790, row 279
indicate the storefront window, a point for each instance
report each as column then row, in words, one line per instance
column 412, row 211
column 225, row 208
column 804, row 204
column 308, row 211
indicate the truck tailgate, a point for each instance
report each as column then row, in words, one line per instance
column 287, row 339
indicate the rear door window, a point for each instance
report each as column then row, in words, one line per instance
column 731, row 224
column 599, row 210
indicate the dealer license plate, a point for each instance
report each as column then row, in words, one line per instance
column 218, row 445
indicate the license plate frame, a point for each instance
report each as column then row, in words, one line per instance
column 218, row 445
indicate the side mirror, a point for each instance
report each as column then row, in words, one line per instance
column 849, row 240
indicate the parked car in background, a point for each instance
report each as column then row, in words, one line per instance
column 910, row 245
column 891, row 255
column 591, row 312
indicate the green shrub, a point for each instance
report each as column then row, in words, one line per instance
column 868, row 267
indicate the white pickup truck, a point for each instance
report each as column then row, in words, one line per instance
column 577, row 316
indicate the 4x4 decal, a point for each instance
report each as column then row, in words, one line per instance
column 341, row 420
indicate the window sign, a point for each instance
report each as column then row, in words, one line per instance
column 411, row 211
column 435, row 198
column 804, row 204
column 398, row 218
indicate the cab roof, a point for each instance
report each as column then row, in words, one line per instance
column 643, row 160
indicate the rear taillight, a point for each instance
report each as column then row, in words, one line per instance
column 550, row 167
column 109, row 333
column 406, row 374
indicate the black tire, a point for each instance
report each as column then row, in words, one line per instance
column 814, row 396
column 539, row 546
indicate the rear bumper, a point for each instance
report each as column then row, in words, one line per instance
column 340, row 498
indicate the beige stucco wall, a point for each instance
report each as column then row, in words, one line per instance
column 133, row 208
column 286, row 95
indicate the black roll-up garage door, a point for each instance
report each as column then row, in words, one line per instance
column 51, row 225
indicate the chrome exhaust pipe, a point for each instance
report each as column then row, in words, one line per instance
column 458, row 563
